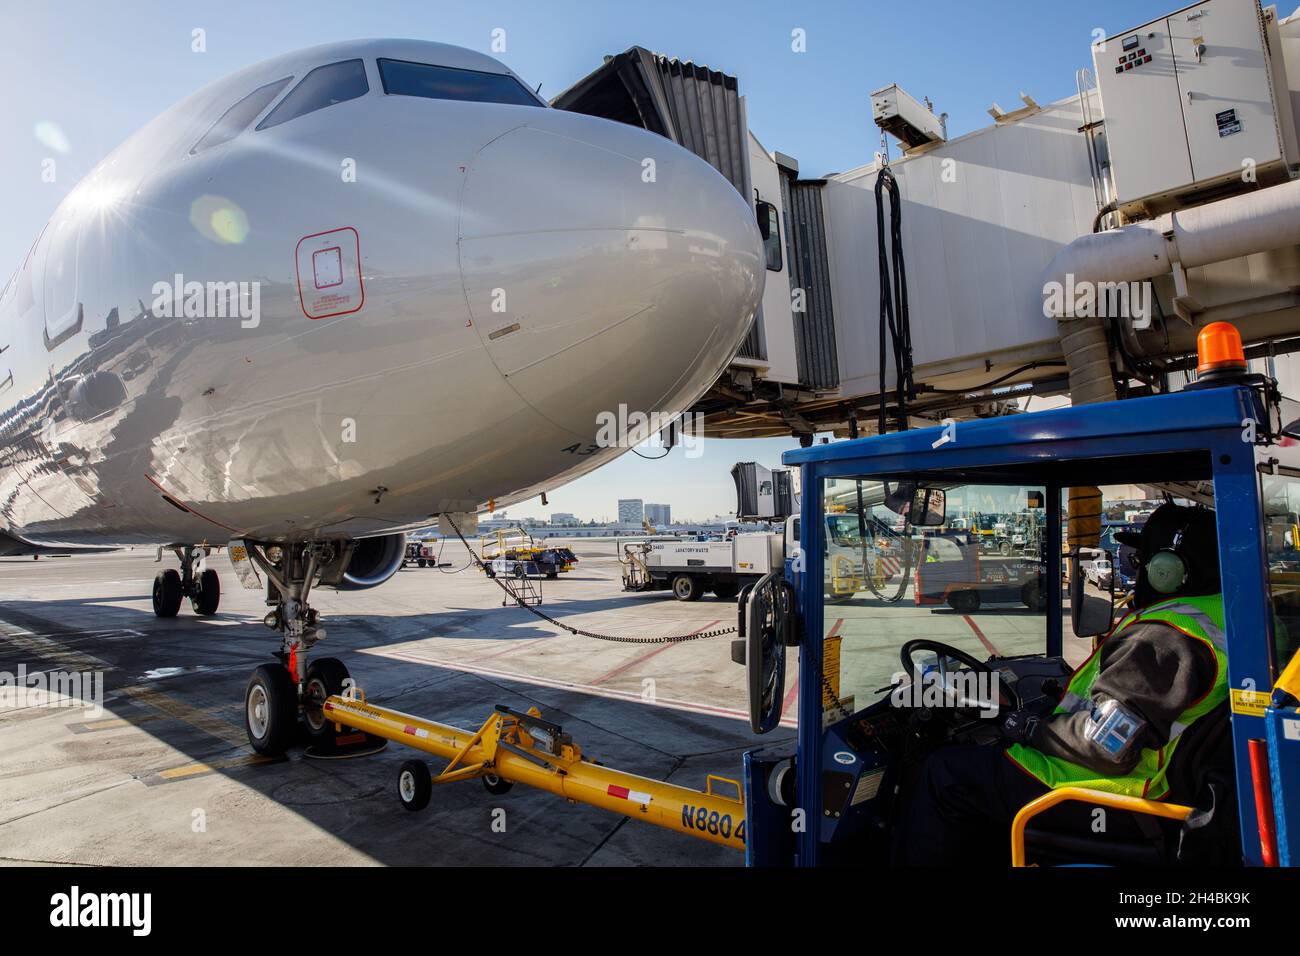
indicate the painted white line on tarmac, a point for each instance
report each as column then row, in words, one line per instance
column 694, row 707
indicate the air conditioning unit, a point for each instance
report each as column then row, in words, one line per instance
column 900, row 114
column 1196, row 105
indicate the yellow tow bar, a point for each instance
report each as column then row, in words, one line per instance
column 523, row 748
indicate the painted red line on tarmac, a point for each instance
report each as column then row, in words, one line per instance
column 622, row 668
column 515, row 646
column 988, row 645
column 835, row 630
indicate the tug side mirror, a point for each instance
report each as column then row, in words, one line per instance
column 1090, row 614
column 767, row 626
column 929, row 507
column 922, row 506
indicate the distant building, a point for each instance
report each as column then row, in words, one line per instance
column 631, row 511
column 501, row 521
column 660, row 516
column 564, row 519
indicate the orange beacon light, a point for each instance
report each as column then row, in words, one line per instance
column 1218, row 352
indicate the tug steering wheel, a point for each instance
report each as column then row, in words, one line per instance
column 1008, row 698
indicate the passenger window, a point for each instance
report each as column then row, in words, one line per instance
column 403, row 78
column 322, row 87
column 236, row 119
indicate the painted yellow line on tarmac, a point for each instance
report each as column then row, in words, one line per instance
column 108, row 723
column 199, row 719
column 194, row 769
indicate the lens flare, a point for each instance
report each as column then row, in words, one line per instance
column 219, row 219
column 51, row 136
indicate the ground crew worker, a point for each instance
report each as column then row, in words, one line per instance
column 1162, row 667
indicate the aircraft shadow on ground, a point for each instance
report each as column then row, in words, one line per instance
column 200, row 669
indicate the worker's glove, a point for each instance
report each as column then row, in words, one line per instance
column 1019, row 726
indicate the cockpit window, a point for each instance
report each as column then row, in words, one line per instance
column 236, row 119
column 403, row 78
column 322, row 87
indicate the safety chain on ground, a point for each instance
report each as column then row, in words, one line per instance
column 675, row 639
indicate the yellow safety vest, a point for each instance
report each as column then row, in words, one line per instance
column 1200, row 618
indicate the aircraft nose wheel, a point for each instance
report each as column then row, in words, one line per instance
column 270, row 709
column 414, row 785
column 326, row 677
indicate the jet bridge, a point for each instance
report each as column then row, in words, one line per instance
column 1038, row 259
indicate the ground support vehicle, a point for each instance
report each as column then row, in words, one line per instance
column 527, row 555
column 690, row 568
column 859, row 732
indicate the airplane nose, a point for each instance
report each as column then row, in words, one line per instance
column 598, row 247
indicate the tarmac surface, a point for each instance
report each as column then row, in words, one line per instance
column 163, row 773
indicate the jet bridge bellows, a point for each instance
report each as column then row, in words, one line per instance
column 694, row 106
column 814, row 318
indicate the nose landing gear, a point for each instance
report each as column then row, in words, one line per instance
column 278, row 693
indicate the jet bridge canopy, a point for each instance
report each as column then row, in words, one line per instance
column 694, row 106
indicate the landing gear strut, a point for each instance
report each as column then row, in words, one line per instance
column 277, row 693
column 201, row 585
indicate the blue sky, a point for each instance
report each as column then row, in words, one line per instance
column 98, row 71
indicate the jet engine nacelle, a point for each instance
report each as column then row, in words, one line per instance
column 94, row 394
column 374, row 561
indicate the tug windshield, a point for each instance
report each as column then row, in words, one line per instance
column 976, row 582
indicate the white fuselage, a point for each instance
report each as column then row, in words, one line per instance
column 446, row 295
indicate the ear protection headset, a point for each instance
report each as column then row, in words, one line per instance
column 1167, row 568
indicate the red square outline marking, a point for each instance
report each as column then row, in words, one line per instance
column 360, row 282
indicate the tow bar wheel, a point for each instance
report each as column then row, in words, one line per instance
column 495, row 785
column 414, row 785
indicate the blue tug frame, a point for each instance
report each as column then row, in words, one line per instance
column 1207, row 432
